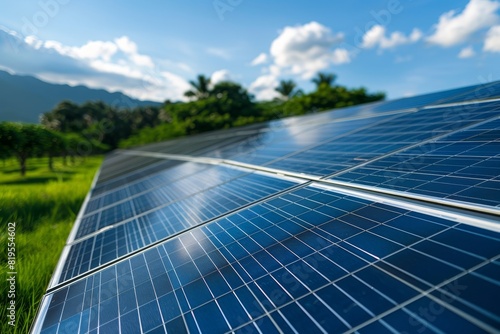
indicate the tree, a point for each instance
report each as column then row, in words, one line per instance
column 23, row 140
column 287, row 89
column 54, row 144
column 8, row 137
column 65, row 117
column 233, row 99
column 324, row 79
column 201, row 88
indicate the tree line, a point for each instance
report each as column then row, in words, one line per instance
column 94, row 127
column 24, row 141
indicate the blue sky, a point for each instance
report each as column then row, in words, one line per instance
column 150, row 50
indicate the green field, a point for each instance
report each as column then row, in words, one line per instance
column 44, row 206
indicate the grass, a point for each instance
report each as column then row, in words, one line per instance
column 44, row 206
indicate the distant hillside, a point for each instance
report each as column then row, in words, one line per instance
column 24, row 98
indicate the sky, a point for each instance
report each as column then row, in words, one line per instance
column 151, row 49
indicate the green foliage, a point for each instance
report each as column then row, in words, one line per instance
column 99, row 122
column 22, row 141
column 201, row 88
column 328, row 97
column 44, row 205
column 287, row 89
column 324, row 79
column 152, row 135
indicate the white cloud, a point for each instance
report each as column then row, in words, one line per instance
column 492, row 41
column 305, row 50
column 91, row 50
column 113, row 65
column 126, row 45
column 376, row 36
column 263, row 87
column 219, row 52
column 260, row 59
column 142, row 60
column 467, row 52
column 341, row 56
column 102, row 50
column 219, row 76
column 33, row 41
column 455, row 28
column 300, row 51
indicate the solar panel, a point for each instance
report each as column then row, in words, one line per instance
column 377, row 218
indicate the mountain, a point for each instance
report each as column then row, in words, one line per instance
column 24, row 98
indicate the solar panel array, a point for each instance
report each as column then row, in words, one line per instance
column 375, row 218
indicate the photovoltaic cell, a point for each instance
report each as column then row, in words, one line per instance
column 311, row 260
column 463, row 166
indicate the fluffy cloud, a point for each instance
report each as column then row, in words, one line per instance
column 306, row 49
column 260, row 59
column 263, row 87
column 376, row 36
column 455, row 28
column 301, row 51
column 219, row 76
column 467, row 52
column 341, row 56
column 113, row 65
column 492, row 42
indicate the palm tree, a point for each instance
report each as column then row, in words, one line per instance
column 287, row 89
column 323, row 78
column 201, row 88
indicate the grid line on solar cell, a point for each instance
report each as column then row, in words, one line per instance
column 206, row 271
column 461, row 166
